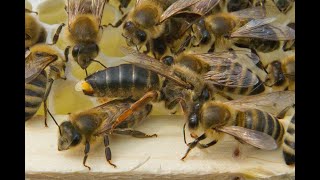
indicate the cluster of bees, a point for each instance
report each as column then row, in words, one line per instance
column 171, row 70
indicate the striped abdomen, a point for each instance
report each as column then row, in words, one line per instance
column 261, row 121
column 244, row 81
column 289, row 143
column 34, row 94
column 260, row 45
column 123, row 81
column 275, row 74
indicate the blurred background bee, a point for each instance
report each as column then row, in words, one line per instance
column 252, row 120
column 82, row 127
column 43, row 65
column 34, row 31
column 289, row 45
column 284, row 5
column 281, row 75
column 84, row 30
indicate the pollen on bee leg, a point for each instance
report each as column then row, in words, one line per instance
column 83, row 86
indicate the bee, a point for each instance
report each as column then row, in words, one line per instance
column 82, row 127
column 34, row 31
column 282, row 74
column 252, row 120
column 248, row 27
column 43, row 65
column 149, row 22
column 289, row 143
column 284, row 5
column 236, row 5
column 195, row 74
column 289, row 45
column 84, row 30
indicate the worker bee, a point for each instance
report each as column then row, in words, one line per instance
column 289, row 45
column 284, row 5
column 195, row 74
column 84, row 30
column 43, row 65
column 82, row 127
column 34, row 31
column 248, row 27
column 149, row 23
column 251, row 119
column 289, row 142
column 282, row 74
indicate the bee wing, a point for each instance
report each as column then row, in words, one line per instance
column 203, row 7
column 255, row 138
column 273, row 103
column 176, row 7
column 152, row 64
column 76, row 7
column 258, row 12
column 262, row 29
column 230, row 73
column 34, row 66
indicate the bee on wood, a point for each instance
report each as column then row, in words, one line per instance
column 43, row 65
column 82, row 127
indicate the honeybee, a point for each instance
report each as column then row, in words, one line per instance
column 251, row 119
column 84, row 30
column 43, row 65
column 201, row 74
column 289, row 45
column 231, row 26
column 149, row 22
column 289, row 142
column 282, row 74
column 82, row 127
column 34, row 31
column 284, row 5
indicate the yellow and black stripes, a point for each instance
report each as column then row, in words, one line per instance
column 34, row 94
column 289, row 143
column 261, row 121
column 123, row 81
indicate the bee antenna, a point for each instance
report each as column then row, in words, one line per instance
column 54, row 121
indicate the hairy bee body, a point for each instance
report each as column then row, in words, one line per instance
column 123, row 81
column 34, row 94
column 35, row 32
column 261, row 121
column 289, row 143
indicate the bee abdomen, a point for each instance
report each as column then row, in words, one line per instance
column 261, row 121
column 125, row 80
column 34, row 94
column 289, row 143
column 265, row 46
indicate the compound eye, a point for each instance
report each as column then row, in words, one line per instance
column 142, row 36
column 128, row 25
column 75, row 51
column 168, row 60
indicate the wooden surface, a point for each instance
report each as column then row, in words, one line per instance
column 147, row 158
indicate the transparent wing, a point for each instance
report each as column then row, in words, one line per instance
column 255, row 138
column 226, row 71
column 262, row 29
column 76, row 7
column 258, row 12
column 152, row 64
column 176, row 7
column 203, row 7
column 273, row 103
column 35, row 64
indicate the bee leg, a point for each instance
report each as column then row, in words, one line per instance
column 107, row 150
column 184, row 133
column 66, row 53
column 86, row 151
column 120, row 9
column 212, row 48
column 284, row 111
column 225, row 96
column 193, row 144
column 149, row 96
column 99, row 63
column 50, row 81
column 56, row 35
column 203, row 146
column 86, row 72
column 118, row 23
column 133, row 133
column 29, row 11
column 185, row 44
column 148, row 48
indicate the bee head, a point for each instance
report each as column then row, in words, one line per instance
column 83, row 53
column 134, row 35
column 69, row 136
